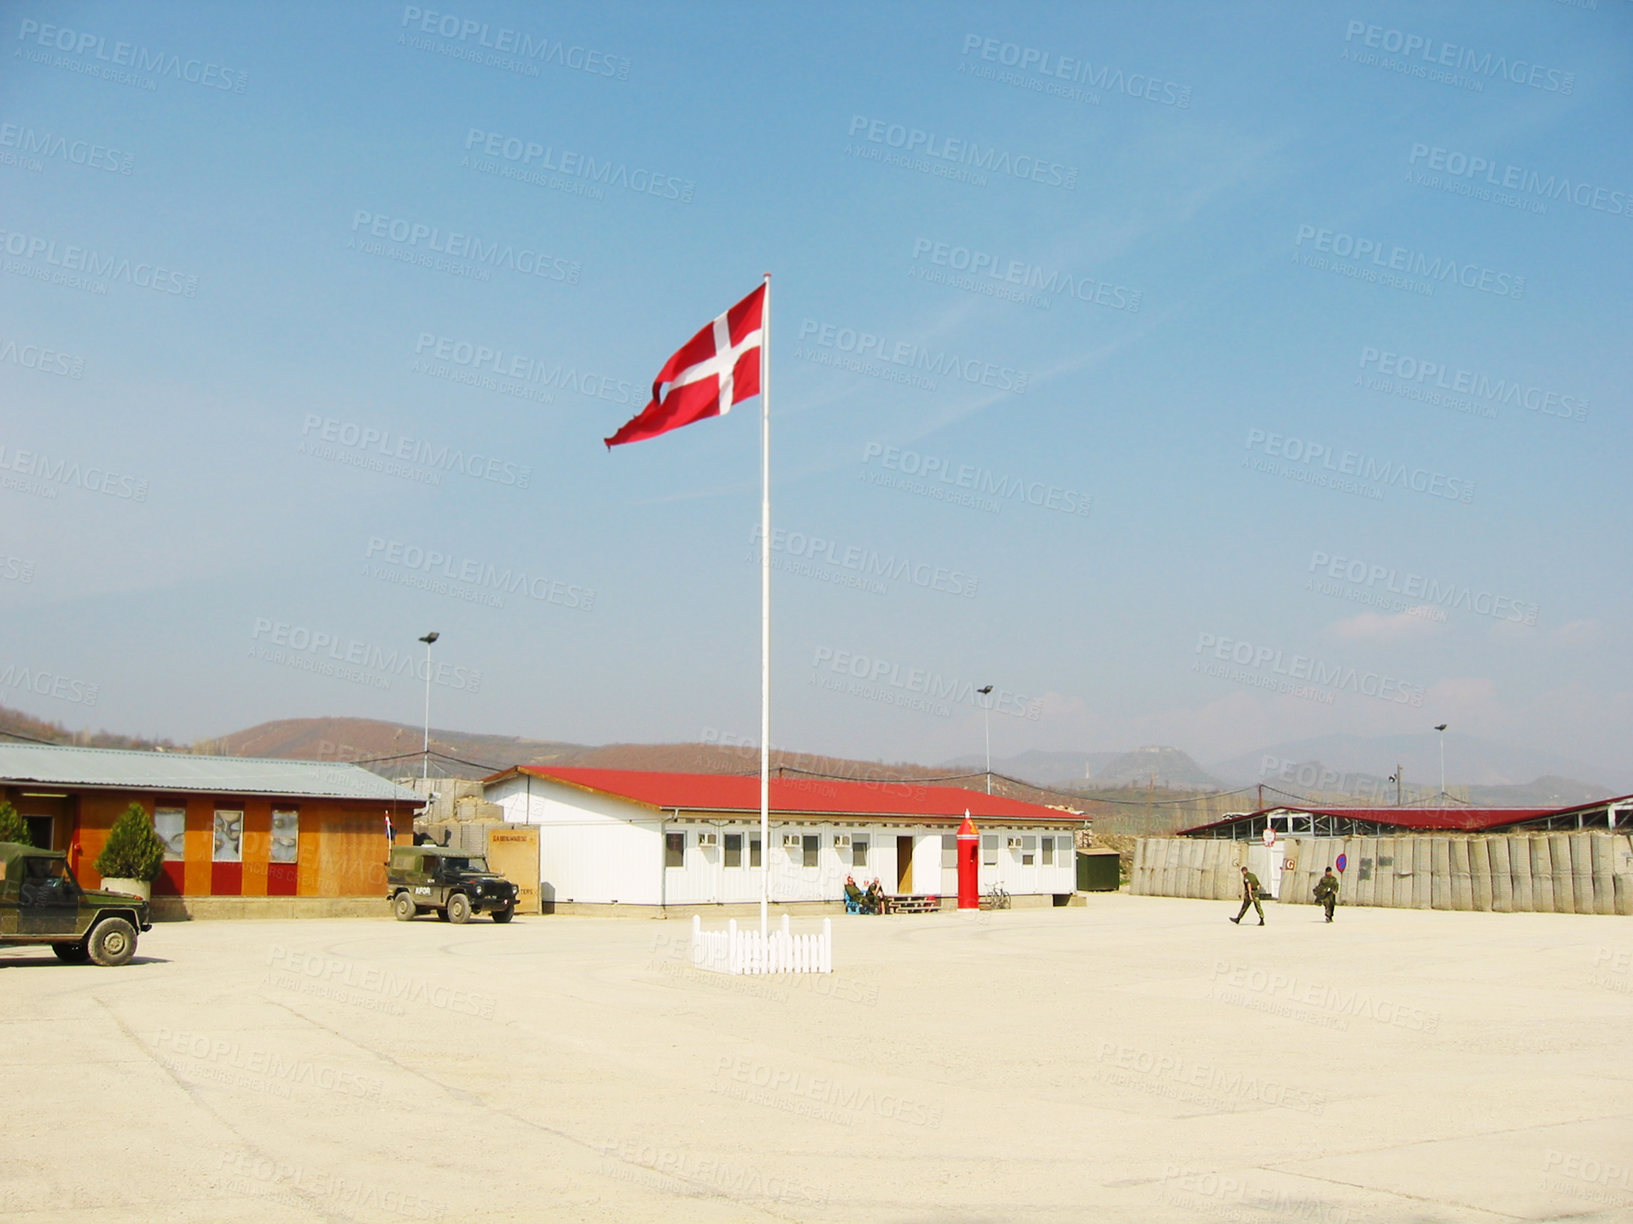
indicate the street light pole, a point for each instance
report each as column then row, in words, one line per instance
column 986, row 718
column 425, row 752
column 1441, row 727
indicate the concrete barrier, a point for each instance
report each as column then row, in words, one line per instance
column 1423, row 868
column 1479, row 874
column 1582, row 873
column 1520, row 855
column 1603, row 857
column 1621, row 855
column 1440, row 872
column 1462, row 873
column 1197, row 880
column 1559, row 854
column 1227, row 879
column 1502, row 878
column 1586, row 872
column 1405, row 872
column 1383, row 871
column 1542, row 875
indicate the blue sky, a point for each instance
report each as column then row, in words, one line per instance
column 1267, row 363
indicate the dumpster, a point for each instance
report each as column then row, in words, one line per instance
column 1097, row 871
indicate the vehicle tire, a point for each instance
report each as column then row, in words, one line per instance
column 72, row 953
column 504, row 915
column 459, row 908
column 402, row 905
column 442, row 915
column 112, row 942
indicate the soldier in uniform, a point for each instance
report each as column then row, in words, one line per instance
column 1250, row 896
column 1326, row 892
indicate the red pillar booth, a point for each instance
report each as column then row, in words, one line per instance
column 969, row 865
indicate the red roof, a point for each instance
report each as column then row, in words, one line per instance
column 695, row 792
column 1455, row 819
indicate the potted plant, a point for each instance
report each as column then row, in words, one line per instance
column 134, row 855
column 13, row 828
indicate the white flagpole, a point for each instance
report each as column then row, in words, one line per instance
column 765, row 611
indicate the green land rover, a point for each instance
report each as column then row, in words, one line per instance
column 452, row 882
column 42, row 903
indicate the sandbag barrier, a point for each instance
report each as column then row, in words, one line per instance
column 1582, row 872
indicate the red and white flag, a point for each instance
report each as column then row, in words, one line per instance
column 718, row 367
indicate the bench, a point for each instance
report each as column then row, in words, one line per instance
column 912, row 904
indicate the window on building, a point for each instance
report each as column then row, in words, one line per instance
column 859, row 852
column 1048, row 852
column 285, row 836
column 809, row 845
column 949, row 852
column 754, row 852
column 674, row 849
column 1029, row 851
column 989, row 850
column 229, row 837
column 171, row 826
column 734, row 850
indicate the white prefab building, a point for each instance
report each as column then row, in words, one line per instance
column 624, row 837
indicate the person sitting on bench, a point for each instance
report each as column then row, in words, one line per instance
column 876, row 898
column 855, row 900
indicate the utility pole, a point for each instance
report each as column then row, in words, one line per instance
column 986, row 714
column 425, row 752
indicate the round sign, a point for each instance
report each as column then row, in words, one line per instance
column 1343, row 862
column 1269, row 836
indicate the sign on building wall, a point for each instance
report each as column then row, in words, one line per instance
column 513, row 852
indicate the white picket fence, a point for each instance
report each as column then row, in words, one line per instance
column 746, row 951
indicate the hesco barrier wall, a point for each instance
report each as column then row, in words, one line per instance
column 1209, row 868
column 1550, row 873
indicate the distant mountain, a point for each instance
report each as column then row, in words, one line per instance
column 1470, row 762
column 1157, row 766
column 1543, row 792
column 393, row 749
column 1171, row 768
column 1480, row 772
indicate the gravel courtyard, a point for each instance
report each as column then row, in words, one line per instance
column 1136, row 1060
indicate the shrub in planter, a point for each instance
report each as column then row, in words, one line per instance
column 134, row 851
column 13, row 828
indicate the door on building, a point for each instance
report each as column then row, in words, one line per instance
column 47, row 817
column 1265, row 862
column 904, row 865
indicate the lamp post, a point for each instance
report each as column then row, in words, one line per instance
column 1441, row 727
column 986, row 718
column 425, row 752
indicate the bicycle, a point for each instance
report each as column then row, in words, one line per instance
column 996, row 898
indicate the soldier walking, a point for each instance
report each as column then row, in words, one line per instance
column 1326, row 892
column 1250, row 896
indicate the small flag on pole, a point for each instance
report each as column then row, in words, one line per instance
column 718, row 367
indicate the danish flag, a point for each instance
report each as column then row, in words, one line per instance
column 718, row 367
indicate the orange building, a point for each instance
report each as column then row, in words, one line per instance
column 233, row 826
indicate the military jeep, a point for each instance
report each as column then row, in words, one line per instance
column 452, row 882
column 42, row 903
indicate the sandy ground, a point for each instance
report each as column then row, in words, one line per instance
column 1140, row 1059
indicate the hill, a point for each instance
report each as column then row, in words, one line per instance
column 1470, row 761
